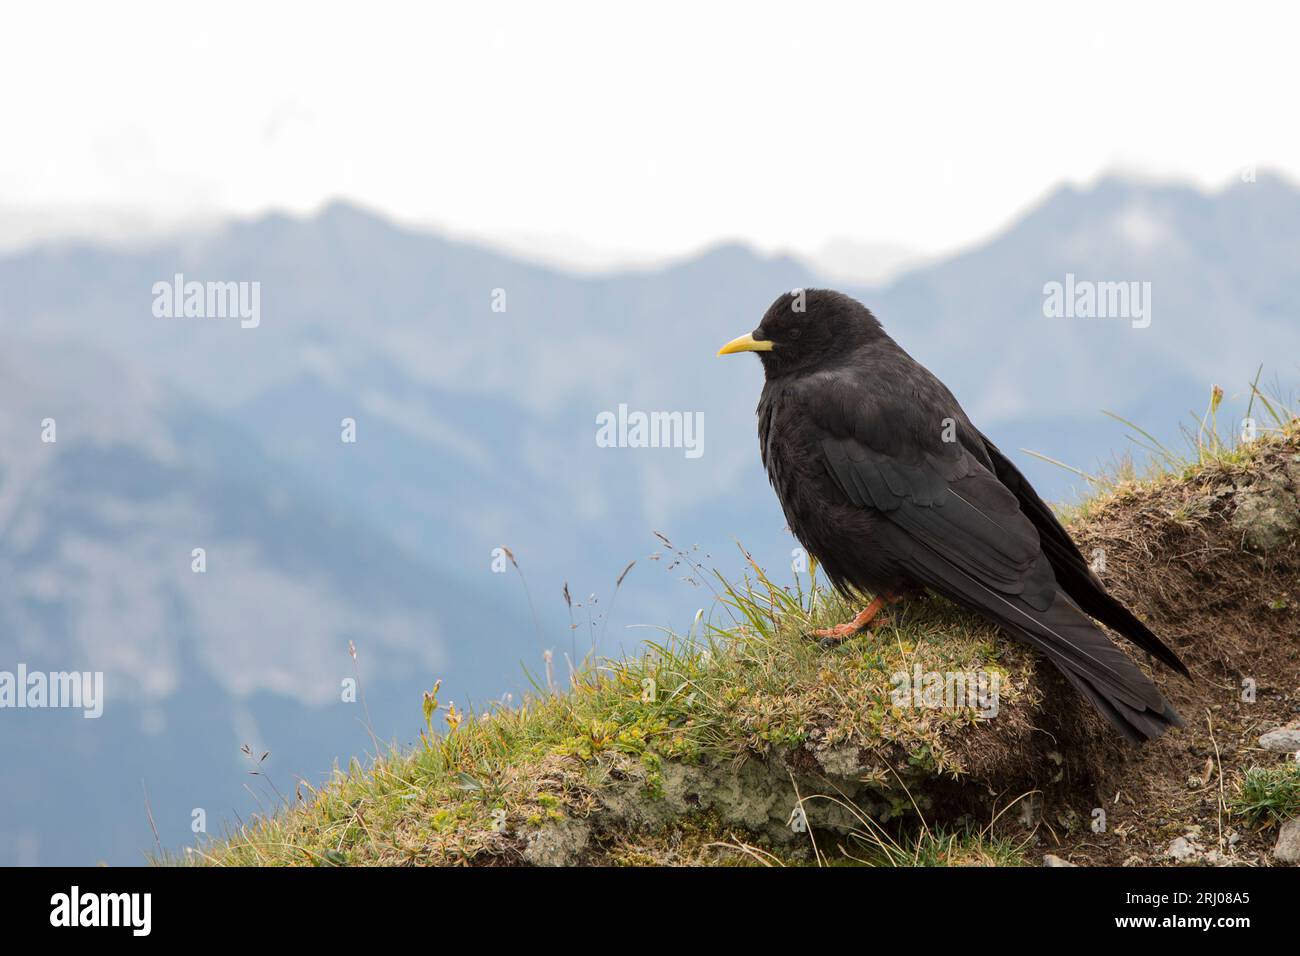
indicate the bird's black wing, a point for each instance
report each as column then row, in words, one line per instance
column 1072, row 571
column 952, row 526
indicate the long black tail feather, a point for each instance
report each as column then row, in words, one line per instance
column 1072, row 571
column 1102, row 672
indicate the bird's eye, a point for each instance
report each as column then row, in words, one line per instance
column 794, row 333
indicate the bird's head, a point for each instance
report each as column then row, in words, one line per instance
column 807, row 329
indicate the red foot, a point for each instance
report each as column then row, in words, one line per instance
column 869, row 617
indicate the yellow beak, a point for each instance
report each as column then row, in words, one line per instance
column 746, row 343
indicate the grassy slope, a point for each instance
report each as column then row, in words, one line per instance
column 476, row 790
column 700, row 750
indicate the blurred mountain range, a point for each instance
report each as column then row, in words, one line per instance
column 474, row 381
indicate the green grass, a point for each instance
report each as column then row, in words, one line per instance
column 741, row 686
column 964, row 846
column 869, row 843
column 920, row 847
column 1268, row 794
column 1206, row 440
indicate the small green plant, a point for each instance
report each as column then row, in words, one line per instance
column 919, row 843
column 1268, row 793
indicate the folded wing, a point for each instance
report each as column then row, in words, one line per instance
column 959, row 530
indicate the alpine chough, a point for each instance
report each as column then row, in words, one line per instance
column 885, row 481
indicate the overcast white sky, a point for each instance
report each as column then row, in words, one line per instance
column 651, row 128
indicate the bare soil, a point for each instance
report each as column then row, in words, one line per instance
column 1212, row 565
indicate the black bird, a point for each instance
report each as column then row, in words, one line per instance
column 886, row 482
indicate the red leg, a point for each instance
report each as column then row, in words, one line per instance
column 869, row 617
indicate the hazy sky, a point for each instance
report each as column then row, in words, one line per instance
column 649, row 128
